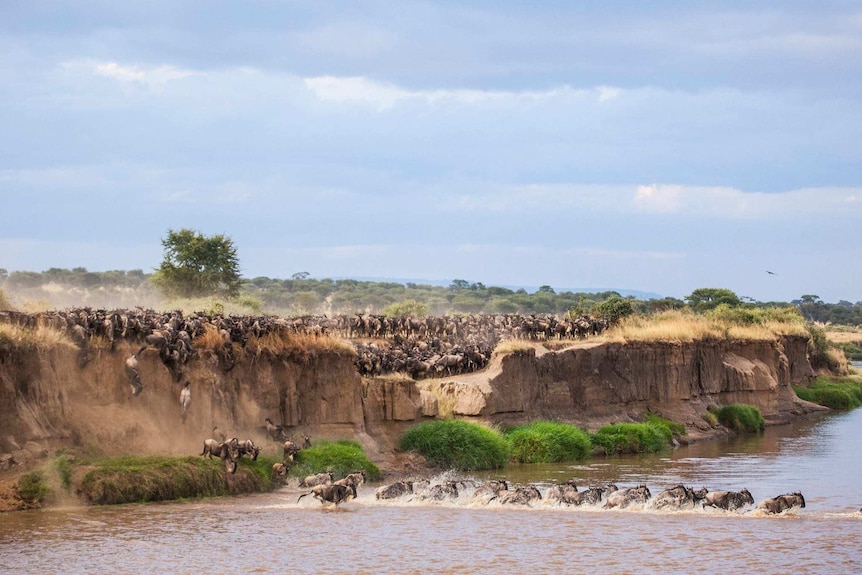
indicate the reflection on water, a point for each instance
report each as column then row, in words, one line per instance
column 273, row 533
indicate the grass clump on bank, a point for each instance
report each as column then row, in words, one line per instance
column 741, row 417
column 32, row 489
column 461, row 445
column 673, row 428
column 131, row 479
column 339, row 457
column 621, row 438
column 547, row 442
column 836, row 393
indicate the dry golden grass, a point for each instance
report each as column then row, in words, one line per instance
column 211, row 339
column 41, row 337
column 685, row 326
column 512, row 346
column 283, row 341
column 854, row 337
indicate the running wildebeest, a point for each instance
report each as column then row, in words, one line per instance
column 332, row 493
column 782, row 503
column 728, row 500
column 394, row 490
column 624, row 497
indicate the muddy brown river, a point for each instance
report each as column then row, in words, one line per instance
column 272, row 533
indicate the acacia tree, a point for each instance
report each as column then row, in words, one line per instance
column 196, row 265
column 705, row 299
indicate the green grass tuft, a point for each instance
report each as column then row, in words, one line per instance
column 339, row 457
column 455, row 444
column 619, row 438
column 741, row 417
column 547, row 442
column 836, row 393
column 673, row 427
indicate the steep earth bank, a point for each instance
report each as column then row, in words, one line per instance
column 49, row 401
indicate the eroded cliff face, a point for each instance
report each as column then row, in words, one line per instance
column 48, row 397
column 592, row 384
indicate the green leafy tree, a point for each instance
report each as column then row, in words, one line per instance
column 408, row 307
column 196, row 265
column 613, row 309
column 704, row 299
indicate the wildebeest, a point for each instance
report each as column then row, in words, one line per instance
column 227, row 451
column 440, row 491
column 782, row 503
column 355, row 479
column 324, row 478
column 566, row 493
column 518, row 496
column 394, row 490
column 678, row 497
column 491, row 489
column 248, row 447
column 624, row 497
column 728, row 500
column 290, row 450
column 133, row 374
column 185, row 401
column 332, row 493
column 279, row 470
column 273, row 431
column 589, row 496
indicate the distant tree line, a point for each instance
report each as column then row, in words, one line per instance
column 196, row 265
column 305, row 295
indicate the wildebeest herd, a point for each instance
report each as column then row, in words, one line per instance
column 420, row 347
column 609, row 496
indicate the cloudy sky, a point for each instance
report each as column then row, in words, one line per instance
column 656, row 146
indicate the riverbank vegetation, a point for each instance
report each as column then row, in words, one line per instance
column 741, row 418
column 468, row 446
column 339, row 457
column 133, row 479
column 547, row 442
column 455, row 444
column 836, row 393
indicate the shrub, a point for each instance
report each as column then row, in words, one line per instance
column 32, row 488
column 834, row 393
column 631, row 438
column 547, row 442
column 339, row 457
column 63, row 465
column 741, row 417
column 455, row 444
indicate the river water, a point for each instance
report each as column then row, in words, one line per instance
column 272, row 533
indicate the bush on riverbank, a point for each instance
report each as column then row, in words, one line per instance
column 741, row 417
column 547, row 442
column 619, row 438
column 839, row 393
column 131, row 479
column 339, row 457
column 454, row 444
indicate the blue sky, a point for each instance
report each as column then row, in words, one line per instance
column 659, row 146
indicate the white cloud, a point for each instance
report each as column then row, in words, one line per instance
column 341, row 89
column 724, row 202
column 154, row 77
